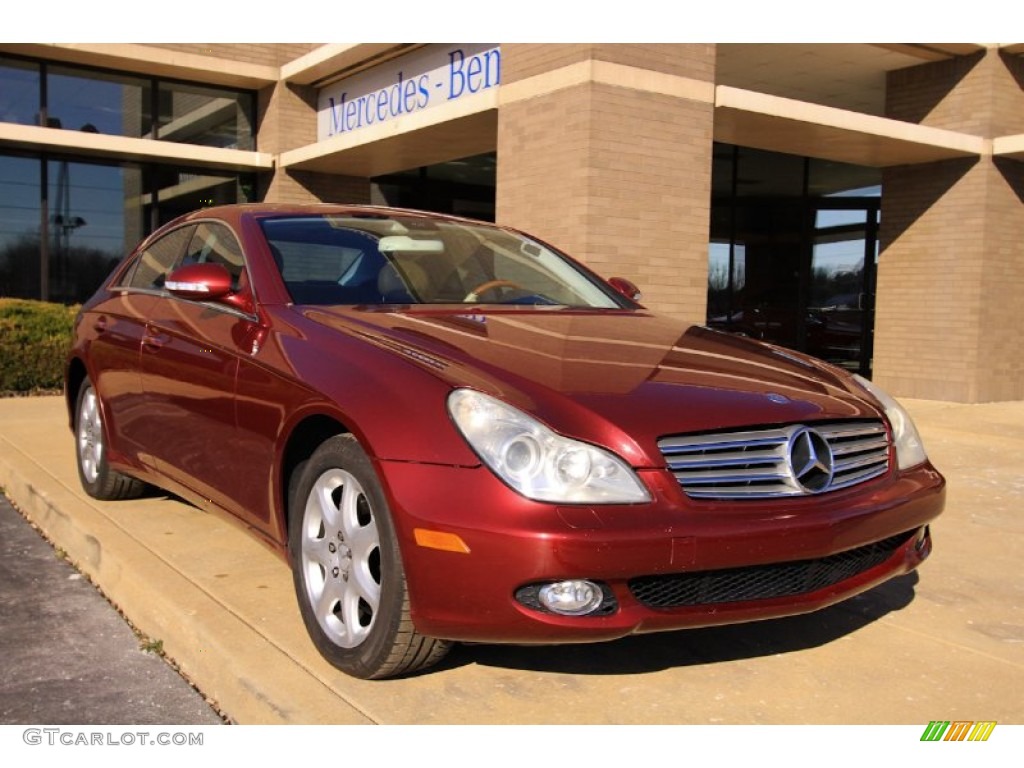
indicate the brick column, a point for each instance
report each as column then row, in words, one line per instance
column 605, row 151
column 287, row 119
column 951, row 269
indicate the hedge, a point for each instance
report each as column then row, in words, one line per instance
column 34, row 341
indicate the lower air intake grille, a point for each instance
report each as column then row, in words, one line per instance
column 761, row 582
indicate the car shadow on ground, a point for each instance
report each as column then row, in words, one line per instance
column 664, row 650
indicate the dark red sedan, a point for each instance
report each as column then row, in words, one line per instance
column 456, row 433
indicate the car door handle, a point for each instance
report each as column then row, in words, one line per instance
column 154, row 341
column 100, row 325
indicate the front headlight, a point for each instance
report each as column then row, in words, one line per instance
column 537, row 462
column 909, row 448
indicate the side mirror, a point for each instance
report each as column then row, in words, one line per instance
column 199, row 282
column 626, row 287
column 209, row 282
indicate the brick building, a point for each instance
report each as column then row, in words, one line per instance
column 864, row 203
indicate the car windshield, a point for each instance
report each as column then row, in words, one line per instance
column 379, row 259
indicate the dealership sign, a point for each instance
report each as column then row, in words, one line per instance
column 425, row 79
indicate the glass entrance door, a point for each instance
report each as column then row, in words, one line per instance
column 800, row 274
column 793, row 252
column 839, row 316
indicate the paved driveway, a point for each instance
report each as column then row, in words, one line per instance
column 67, row 656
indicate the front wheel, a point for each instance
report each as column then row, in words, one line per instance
column 347, row 568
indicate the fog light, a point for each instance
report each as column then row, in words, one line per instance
column 571, row 598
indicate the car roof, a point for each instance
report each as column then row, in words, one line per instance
column 239, row 211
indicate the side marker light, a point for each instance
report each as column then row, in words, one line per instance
column 447, row 542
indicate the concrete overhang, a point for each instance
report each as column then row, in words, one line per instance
column 1009, row 146
column 458, row 129
column 337, row 60
column 154, row 61
column 933, row 51
column 778, row 124
column 119, row 148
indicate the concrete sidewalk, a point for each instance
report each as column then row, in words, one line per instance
column 946, row 643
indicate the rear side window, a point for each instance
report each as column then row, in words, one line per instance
column 153, row 264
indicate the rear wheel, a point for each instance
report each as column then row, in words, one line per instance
column 98, row 479
column 347, row 568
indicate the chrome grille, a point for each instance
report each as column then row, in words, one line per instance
column 758, row 464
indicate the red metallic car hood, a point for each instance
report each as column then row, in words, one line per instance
column 620, row 378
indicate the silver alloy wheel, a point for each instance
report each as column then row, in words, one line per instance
column 340, row 558
column 90, row 436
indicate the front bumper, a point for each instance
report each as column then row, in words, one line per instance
column 718, row 562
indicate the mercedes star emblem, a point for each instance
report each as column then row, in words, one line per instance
column 810, row 460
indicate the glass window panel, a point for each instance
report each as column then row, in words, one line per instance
column 94, row 222
column 19, row 92
column 98, row 103
column 837, row 261
column 480, row 170
column 191, row 114
column 20, row 203
column 722, row 170
column 182, row 190
column 836, row 298
column 214, row 244
column 446, row 262
column 766, row 272
column 768, row 174
column 790, row 265
column 827, row 218
column 719, row 286
column 827, row 178
column 153, row 264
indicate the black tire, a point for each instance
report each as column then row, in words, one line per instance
column 98, row 479
column 347, row 568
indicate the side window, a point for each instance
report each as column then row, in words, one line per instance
column 153, row 264
column 215, row 244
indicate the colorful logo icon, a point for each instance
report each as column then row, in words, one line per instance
column 958, row 730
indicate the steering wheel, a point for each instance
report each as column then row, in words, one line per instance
column 490, row 285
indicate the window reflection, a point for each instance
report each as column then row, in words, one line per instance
column 20, row 203
column 839, row 292
column 98, row 102
column 792, row 250
column 191, row 114
column 172, row 192
column 96, row 213
column 81, row 99
column 90, row 227
column 19, row 92
column 58, row 243
column 828, row 178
